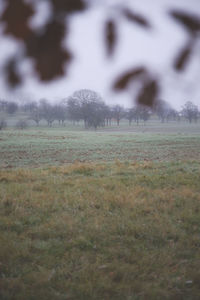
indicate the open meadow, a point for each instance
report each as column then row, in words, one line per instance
column 106, row 214
column 37, row 147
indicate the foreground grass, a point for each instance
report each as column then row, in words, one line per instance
column 100, row 231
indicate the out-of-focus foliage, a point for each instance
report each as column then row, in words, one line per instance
column 44, row 45
column 136, row 18
column 126, row 78
column 191, row 24
column 111, row 36
column 189, row 21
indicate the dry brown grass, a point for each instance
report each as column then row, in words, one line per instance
column 100, row 231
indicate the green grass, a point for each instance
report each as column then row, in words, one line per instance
column 101, row 231
column 112, row 214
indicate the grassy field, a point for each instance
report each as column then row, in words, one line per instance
column 58, row 146
column 112, row 214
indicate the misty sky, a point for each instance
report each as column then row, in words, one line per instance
column 91, row 69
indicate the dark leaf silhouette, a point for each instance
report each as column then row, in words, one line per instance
column 148, row 93
column 13, row 76
column 183, row 57
column 15, row 18
column 68, row 6
column 123, row 81
column 136, row 18
column 189, row 21
column 46, row 48
column 49, row 68
column 110, row 36
column 42, row 41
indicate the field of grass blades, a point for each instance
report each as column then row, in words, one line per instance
column 111, row 230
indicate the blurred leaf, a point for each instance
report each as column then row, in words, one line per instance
column 110, row 36
column 136, row 18
column 13, row 76
column 189, row 21
column 52, row 64
column 46, row 48
column 122, row 82
column 68, row 6
column 183, row 57
column 16, row 17
column 148, row 93
column 43, row 41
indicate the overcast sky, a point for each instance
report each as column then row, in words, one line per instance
column 91, row 69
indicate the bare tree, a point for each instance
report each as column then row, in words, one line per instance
column 162, row 109
column 29, row 107
column 3, row 124
column 73, row 109
column 36, row 115
column 88, row 106
column 190, row 111
column 60, row 112
column 47, row 111
column 12, row 107
column 21, row 124
column 3, row 105
column 144, row 112
column 108, row 115
column 118, row 112
column 130, row 115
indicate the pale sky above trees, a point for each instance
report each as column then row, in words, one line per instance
column 155, row 49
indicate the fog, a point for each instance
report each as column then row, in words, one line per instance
column 155, row 48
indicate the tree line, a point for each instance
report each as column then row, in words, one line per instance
column 88, row 107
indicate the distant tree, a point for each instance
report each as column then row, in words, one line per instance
column 60, row 112
column 118, row 112
column 130, row 115
column 36, row 115
column 11, row 107
column 73, row 109
column 47, row 111
column 29, row 106
column 162, row 109
column 87, row 99
column 21, row 124
column 136, row 111
column 97, row 114
column 190, row 111
column 144, row 112
column 172, row 115
column 88, row 106
column 3, row 105
column 108, row 114
column 3, row 124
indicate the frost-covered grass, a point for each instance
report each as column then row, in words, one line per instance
column 58, row 146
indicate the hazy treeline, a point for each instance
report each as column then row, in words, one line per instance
column 88, row 107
